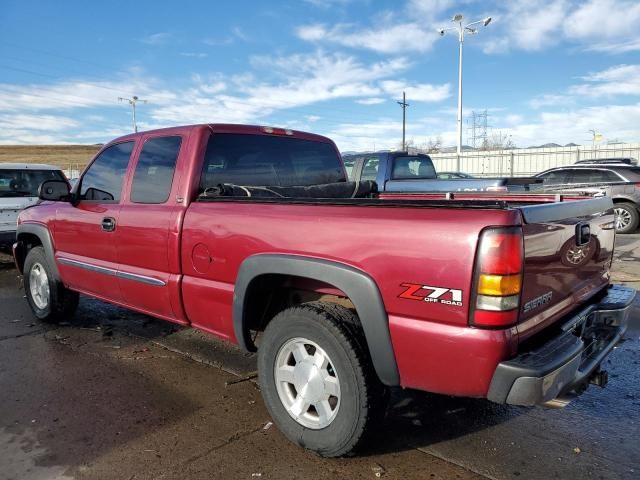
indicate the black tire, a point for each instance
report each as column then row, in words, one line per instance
column 631, row 213
column 336, row 330
column 62, row 302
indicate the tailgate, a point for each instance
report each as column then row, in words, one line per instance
column 568, row 248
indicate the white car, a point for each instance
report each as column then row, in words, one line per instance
column 19, row 183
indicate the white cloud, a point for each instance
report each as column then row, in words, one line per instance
column 421, row 92
column 617, row 80
column 603, row 19
column 389, row 37
column 597, row 25
column 550, row 100
column 619, row 121
column 386, row 134
column 305, row 80
column 159, row 38
column 326, row 3
column 194, row 54
column 236, row 34
column 74, row 94
column 614, row 121
column 525, row 25
column 370, row 101
column 51, row 123
column 616, row 48
column 428, row 7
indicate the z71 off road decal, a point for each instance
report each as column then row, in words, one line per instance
column 427, row 293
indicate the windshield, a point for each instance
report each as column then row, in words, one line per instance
column 25, row 183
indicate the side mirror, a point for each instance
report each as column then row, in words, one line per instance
column 54, row 190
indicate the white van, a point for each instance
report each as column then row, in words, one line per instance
column 19, row 183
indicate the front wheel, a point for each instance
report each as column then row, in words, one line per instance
column 627, row 217
column 48, row 298
column 317, row 380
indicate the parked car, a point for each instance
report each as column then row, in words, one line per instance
column 19, row 184
column 404, row 172
column 255, row 235
column 618, row 180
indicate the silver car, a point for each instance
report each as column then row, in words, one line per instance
column 617, row 179
column 19, row 183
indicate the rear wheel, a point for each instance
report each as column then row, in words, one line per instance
column 48, row 298
column 317, row 380
column 627, row 217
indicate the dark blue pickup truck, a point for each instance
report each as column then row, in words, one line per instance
column 404, row 172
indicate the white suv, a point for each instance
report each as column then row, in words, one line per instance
column 19, row 183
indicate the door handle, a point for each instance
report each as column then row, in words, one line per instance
column 108, row 224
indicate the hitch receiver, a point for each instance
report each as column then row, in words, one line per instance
column 599, row 378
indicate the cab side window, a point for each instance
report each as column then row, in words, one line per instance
column 103, row 181
column 154, row 171
column 370, row 169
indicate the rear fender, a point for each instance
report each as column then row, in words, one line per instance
column 359, row 287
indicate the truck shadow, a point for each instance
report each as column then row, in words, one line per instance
column 418, row 419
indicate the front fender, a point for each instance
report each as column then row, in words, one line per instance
column 26, row 232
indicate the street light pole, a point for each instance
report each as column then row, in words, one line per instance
column 461, row 30
column 132, row 101
column 459, row 147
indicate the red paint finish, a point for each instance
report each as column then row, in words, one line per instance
column 421, row 257
column 406, row 246
column 449, row 359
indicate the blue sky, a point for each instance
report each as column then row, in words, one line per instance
column 546, row 71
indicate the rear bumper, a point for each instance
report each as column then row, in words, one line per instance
column 566, row 362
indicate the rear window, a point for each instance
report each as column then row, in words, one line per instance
column 25, row 183
column 263, row 160
column 412, row 168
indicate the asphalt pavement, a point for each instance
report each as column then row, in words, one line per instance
column 115, row 395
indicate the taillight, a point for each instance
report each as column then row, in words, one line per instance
column 498, row 277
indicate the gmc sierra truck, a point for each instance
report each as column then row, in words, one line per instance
column 255, row 235
column 406, row 172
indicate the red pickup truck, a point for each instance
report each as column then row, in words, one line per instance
column 255, row 235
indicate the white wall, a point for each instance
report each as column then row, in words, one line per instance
column 528, row 161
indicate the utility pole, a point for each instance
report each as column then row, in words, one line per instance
column 404, row 106
column 132, row 101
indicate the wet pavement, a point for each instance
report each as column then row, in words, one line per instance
column 116, row 395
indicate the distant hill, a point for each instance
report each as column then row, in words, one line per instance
column 64, row 156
